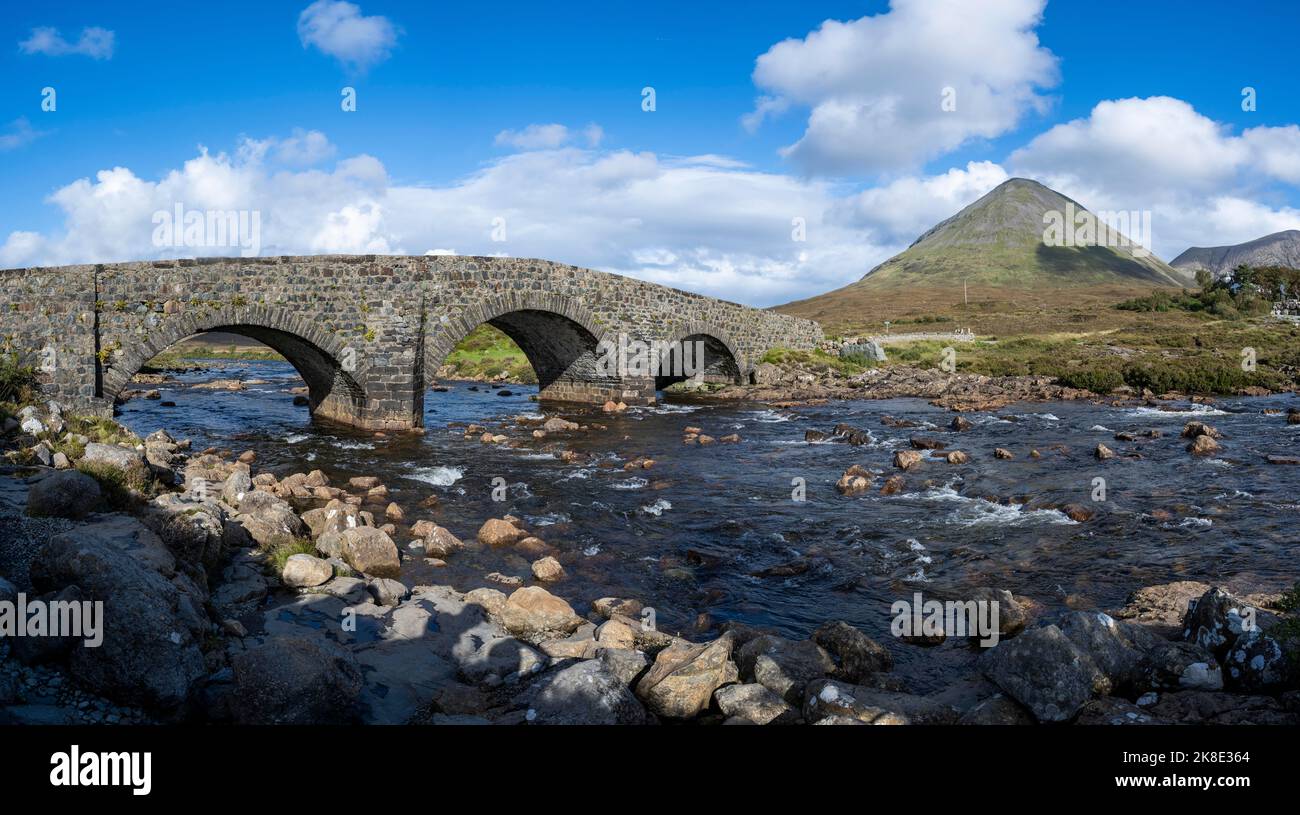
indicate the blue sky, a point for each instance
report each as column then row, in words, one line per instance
column 441, row 82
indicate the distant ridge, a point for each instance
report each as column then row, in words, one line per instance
column 1278, row 249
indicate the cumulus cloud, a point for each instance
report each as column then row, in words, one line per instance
column 703, row 223
column 338, row 29
column 901, row 210
column 1203, row 184
column 549, row 137
column 875, row 86
column 95, row 42
column 303, row 148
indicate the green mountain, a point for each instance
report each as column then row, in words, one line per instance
column 998, row 243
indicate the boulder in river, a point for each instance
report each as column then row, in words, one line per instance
column 906, row 459
column 681, row 682
column 370, row 551
column 858, row 656
column 1046, row 672
column 499, row 532
column 534, row 614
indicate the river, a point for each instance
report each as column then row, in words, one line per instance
column 698, row 532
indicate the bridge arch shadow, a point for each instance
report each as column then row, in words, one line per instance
column 320, row 358
column 722, row 363
column 560, row 337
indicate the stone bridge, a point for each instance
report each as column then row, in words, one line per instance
column 368, row 332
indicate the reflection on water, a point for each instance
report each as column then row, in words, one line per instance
column 713, row 530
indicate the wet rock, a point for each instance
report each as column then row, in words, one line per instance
column 814, row 435
column 548, row 569
column 370, row 551
column 755, row 704
column 1203, row 446
column 960, row 424
column 1103, row 452
column 855, row 481
column 925, row 443
column 956, row 457
column 534, row 614
column 1077, row 512
column 1162, row 608
column 499, row 532
column 294, row 680
column 441, row 543
column 907, row 459
column 1003, row 453
column 64, row 494
column 784, row 666
column 1286, row 460
column 387, row 592
column 585, row 693
column 1046, row 672
column 892, row 486
column 1192, row 430
column 858, row 656
column 832, row 698
column 558, row 425
column 681, row 682
column 302, row 571
column 363, row 482
column 607, row 607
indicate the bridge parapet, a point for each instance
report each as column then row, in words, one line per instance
column 367, row 333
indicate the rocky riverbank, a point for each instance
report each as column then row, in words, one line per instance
column 234, row 595
column 790, row 384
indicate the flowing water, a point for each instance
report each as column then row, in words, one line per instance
column 714, row 530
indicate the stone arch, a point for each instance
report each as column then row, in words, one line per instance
column 723, row 362
column 559, row 335
column 318, row 356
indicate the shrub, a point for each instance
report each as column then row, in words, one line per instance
column 122, row 489
column 17, row 382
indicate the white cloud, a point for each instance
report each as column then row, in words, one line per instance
column 549, row 137
column 338, row 29
column 302, row 149
column 1203, row 185
column 95, row 42
column 19, row 134
column 901, row 210
column 874, row 86
column 707, row 224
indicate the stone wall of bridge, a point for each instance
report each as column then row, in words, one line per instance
column 367, row 333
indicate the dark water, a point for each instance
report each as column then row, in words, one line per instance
column 691, row 535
